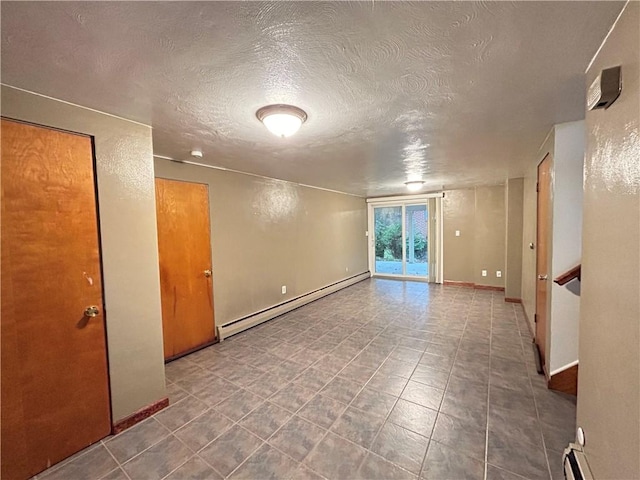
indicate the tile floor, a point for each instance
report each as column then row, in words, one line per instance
column 382, row 380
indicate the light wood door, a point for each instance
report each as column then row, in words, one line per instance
column 542, row 275
column 55, row 394
column 184, row 248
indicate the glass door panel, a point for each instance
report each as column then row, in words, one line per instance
column 388, row 240
column 416, row 239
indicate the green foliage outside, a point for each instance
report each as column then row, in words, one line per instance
column 389, row 243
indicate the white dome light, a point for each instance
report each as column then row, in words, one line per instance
column 414, row 185
column 282, row 120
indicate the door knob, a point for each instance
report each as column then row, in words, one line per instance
column 91, row 311
column 207, row 273
column 542, row 277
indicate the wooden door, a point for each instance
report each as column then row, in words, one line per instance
column 55, row 394
column 542, row 275
column 184, row 248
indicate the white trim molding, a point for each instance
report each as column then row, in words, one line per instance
column 434, row 208
column 562, row 369
column 405, row 198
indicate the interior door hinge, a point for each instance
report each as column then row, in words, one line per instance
column 537, row 186
column 535, row 318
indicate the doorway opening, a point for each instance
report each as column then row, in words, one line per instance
column 542, row 257
column 184, row 252
column 405, row 238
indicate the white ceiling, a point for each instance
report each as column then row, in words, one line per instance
column 460, row 93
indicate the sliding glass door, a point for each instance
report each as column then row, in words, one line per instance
column 416, row 225
column 401, row 240
column 388, row 240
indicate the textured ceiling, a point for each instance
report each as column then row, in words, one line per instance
column 459, row 93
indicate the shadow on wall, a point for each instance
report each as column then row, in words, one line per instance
column 574, row 287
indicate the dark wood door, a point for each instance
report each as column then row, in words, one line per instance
column 55, row 394
column 184, row 248
column 542, row 275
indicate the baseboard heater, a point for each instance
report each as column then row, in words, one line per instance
column 575, row 463
column 241, row 324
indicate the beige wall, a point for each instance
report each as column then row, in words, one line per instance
column 124, row 170
column 490, row 235
column 267, row 233
column 609, row 379
column 514, row 196
column 480, row 216
column 458, row 212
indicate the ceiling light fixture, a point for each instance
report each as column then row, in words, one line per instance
column 282, row 120
column 414, row 185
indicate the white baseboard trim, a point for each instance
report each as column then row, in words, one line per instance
column 241, row 324
column 562, row 369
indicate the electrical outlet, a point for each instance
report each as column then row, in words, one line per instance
column 484, row 273
column 498, row 274
column 346, row 269
column 457, row 233
column 284, row 289
column 366, row 234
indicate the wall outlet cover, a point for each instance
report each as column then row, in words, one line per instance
column 484, row 273
column 284, row 289
column 457, row 233
column 498, row 274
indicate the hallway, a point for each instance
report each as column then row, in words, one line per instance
column 382, row 380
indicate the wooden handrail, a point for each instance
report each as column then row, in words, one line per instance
column 569, row 275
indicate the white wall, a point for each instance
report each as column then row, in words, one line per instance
column 567, row 243
column 566, row 144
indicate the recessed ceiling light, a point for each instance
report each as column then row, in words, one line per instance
column 414, row 185
column 282, row 120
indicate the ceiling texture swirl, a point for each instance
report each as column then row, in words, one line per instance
column 454, row 93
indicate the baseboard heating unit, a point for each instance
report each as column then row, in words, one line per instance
column 241, row 324
column 575, row 463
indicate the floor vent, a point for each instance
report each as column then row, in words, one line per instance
column 575, row 463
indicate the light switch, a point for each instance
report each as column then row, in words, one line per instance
column 457, row 233
column 484, row 273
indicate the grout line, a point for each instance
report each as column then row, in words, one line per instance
column 376, row 322
column 300, row 408
column 112, row 456
column 328, row 429
column 142, row 451
column 539, row 422
column 181, row 465
column 486, row 437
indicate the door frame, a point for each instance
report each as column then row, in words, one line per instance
column 216, row 338
column 543, row 350
column 434, row 234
